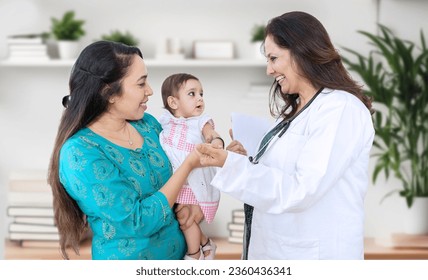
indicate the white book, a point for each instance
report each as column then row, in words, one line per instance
column 13, row 227
column 24, row 40
column 233, row 239
column 237, row 233
column 29, row 180
column 232, row 226
column 30, row 174
column 238, row 220
column 33, row 236
column 238, row 213
column 35, row 220
column 30, row 211
column 26, row 53
column 29, row 47
column 16, row 198
column 29, row 59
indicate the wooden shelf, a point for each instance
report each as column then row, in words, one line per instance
column 153, row 63
column 225, row 251
column 374, row 251
column 13, row 251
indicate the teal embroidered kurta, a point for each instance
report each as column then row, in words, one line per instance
column 118, row 190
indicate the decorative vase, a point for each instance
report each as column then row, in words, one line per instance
column 416, row 217
column 68, row 49
column 257, row 50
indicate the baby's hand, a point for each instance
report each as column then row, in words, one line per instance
column 217, row 142
column 183, row 213
column 196, row 213
column 188, row 214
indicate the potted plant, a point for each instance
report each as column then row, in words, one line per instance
column 396, row 77
column 257, row 37
column 67, row 31
column 121, row 37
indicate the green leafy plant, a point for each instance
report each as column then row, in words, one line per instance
column 121, row 37
column 396, row 77
column 258, row 33
column 67, row 28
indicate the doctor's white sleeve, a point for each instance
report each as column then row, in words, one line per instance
column 339, row 133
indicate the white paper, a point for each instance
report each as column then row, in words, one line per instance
column 249, row 130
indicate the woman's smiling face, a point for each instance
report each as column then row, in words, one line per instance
column 282, row 67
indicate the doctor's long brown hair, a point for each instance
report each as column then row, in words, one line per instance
column 95, row 78
column 317, row 60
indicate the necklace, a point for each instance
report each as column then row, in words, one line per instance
column 130, row 142
column 113, row 136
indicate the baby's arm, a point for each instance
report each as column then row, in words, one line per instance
column 211, row 136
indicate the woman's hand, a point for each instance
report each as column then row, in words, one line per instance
column 193, row 159
column 211, row 156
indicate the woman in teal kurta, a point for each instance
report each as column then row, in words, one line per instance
column 117, row 189
column 108, row 171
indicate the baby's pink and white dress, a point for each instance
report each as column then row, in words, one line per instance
column 178, row 138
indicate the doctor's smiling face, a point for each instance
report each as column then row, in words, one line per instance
column 282, row 67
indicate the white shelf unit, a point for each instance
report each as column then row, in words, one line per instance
column 149, row 62
column 226, row 84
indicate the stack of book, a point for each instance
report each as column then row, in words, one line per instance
column 31, row 210
column 27, row 48
column 236, row 226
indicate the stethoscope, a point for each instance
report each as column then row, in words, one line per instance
column 282, row 128
column 255, row 159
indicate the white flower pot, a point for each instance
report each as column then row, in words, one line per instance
column 257, row 50
column 68, row 49
column 416, row 217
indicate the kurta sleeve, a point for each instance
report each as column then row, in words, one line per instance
column 101, row 191
column 337, row 134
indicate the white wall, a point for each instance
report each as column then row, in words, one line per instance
column 30, row 97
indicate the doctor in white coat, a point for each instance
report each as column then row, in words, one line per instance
column 304, row 190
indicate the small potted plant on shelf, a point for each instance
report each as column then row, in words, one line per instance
column 257, row 37
column 121, row 37
column 396, row 77
column 67, row 31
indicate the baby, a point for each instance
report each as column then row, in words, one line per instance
column 184, row 126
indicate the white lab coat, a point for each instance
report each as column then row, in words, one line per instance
column 308, row 189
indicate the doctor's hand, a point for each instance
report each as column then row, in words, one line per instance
column 236, row 146
column 211, row 156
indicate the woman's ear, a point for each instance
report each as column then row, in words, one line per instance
column 172, row 102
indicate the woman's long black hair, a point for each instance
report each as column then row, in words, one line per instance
column 96, row 77
column 317, row 60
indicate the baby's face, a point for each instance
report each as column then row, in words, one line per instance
column 190, row 101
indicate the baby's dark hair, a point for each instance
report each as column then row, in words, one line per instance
column 172, row 85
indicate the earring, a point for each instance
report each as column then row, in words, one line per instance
column 66, row 100
column 112, row 100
